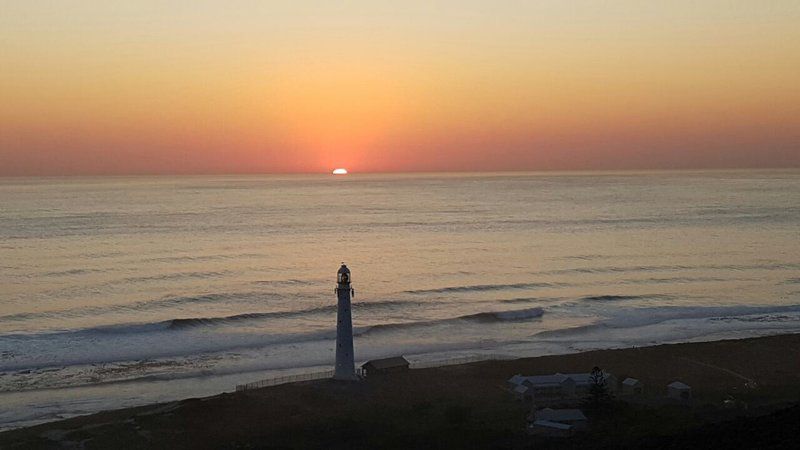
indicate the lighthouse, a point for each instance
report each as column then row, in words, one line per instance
column 345, row 364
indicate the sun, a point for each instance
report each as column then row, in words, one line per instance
column 340, row 171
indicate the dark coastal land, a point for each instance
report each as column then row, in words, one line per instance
column 746, row 395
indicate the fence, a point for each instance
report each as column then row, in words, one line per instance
column 329, row 373
column 451, row 361
column 284, row 379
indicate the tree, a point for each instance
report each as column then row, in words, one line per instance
column 598, row 390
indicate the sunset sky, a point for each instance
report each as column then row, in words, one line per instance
column 139, row 87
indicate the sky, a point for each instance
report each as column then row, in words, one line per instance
column 197, row 87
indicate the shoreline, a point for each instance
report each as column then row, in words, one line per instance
column 70, row 401
column 716, row 370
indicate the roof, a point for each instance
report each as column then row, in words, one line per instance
column 630, row 382
column 516, row 379
column 386, row 363
column 544, row 380
column 549, row 424
column 559, row 415
column 678, row 385
column 556, row 379
column 521, row 389
column 585, row 378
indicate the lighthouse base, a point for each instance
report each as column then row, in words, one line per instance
column 346, row 377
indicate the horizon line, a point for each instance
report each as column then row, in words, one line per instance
column 453, row 172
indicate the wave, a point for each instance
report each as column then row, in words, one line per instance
column 147, row 305
column 173, row 338
column 641, row 317
column 291, row 282
column 501, row 316
column 71, row 272
column 675, row 280
column 215, row 321
column 200, row 258
column 176, row 276
column 520, row 300
column 616, row 269
column 670, row 268
column 613, row 298
column 582, row 257
column 767, row 318
column 327, row 309
column 188, row 322
column 254, row 297
column 608, row 298
column 484, row 287
column 481, row 317
column 151, row 341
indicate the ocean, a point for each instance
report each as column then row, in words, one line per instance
column 120, row 291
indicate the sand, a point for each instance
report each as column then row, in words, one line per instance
column 470, row 406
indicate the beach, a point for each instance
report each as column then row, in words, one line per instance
column 466, row 406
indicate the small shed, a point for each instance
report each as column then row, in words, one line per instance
column 679, row 391
column 383, row 366
column 548, row 428
column 632, row 387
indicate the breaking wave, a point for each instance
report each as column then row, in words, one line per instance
column 189, row 322
column 641, row 317
column 177, row 338
column 499, row 316
column 160, row 303
column 486, row 317
column 327, row 309
column 228, row 320
column 481, row 317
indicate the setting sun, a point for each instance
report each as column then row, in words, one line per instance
column 340, row 171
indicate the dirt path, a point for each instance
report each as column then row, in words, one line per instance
column 749, row 382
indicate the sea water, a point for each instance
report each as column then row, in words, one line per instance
column 128, row 290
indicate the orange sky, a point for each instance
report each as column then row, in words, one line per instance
column 256, row 87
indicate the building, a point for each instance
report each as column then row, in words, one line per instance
column 679, row 391
column 584, row 382
column 523, row 393
column 515, row 381
column 384, row 366
column 552, row 429
column 632, row 387
column 550, row 386
column 559, row 386
column 572, row 417
column 345, row 363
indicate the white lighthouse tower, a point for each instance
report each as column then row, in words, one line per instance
column 345, row 364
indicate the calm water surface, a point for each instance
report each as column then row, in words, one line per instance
column 121, row 291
